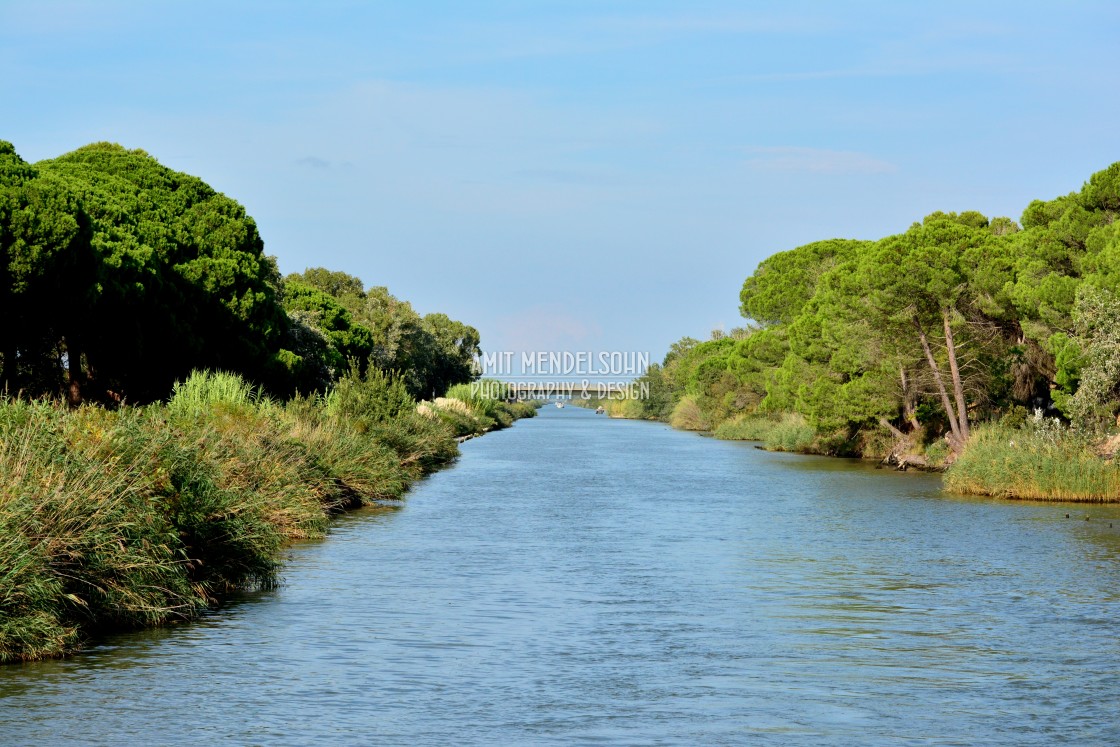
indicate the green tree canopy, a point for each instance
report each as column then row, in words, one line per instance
column 45, row 265
column 784, row 282
column 430, row 353
column 181, row 280
column 348, row 341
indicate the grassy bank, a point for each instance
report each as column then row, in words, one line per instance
column 111, row 520
column 472, row 409
column 1037, row 462
column 785, row 433
column 615, row 408
column 1039, row 459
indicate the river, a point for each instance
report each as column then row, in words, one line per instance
column 580, row 580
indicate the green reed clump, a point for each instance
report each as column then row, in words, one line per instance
column 85, row 539
column 791, row 433
column 477, row 396
column 471, row 409
column 1040, row 461
column 688, row 416
column 350, row 467
column 371, row 397
column 378, row 407
column 745, row 428
column 522, row 409
column 204, row 389
column 486, row 400
column 240, row 487
column 615, row 407
column 422, row 444
column 456, row 415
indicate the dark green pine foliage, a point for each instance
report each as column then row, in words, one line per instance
column 181, row 280
column 46, row 264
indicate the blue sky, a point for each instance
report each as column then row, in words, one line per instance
column 576, row 175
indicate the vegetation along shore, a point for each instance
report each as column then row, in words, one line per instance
column 984, row 347
column 138, row 485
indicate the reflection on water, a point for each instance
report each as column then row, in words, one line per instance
column 583, row 580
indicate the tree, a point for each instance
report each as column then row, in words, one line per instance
column 455, row 350
column 347, row 340
column 44, row 266
column 180, row 279
column 429, row 353
column 400, row 340
column 784, row 282
column 346, row 288
column 1097, row 315
column 1065, row 242
column 921, row 280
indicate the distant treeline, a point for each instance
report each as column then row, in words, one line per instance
column 119, row 276
column 905, row 344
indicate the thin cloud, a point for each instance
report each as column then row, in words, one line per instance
column 598, row 34
column 565, row 176
column 314, row 162
column 817, row 160
column 726, row 24
column 546, row 327
column 901, row 67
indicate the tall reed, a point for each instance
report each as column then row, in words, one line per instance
column 118, row 519
column 1038, row 462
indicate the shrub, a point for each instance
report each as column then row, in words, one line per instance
column 938, row 453
column 84, row 539
column 118, row 519
column 459, row 419
column 421, row 443
column 688, row 416
column 373, row 397
column 203, row 390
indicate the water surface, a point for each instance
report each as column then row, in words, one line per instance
column 579, row 580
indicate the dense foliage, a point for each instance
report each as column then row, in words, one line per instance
column 431, row 353
column 119, row 278
column 119, row 275
column 904, row 344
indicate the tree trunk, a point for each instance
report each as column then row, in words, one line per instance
column 899, row 435
column 8, row 350
column 954, row 424
column 958, row 387
column 909, row 411
column 8, row 373
column 74, row 371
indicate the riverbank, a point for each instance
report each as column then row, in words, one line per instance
column 944, row 346
column 141, row 516
column 1029, row 459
